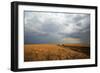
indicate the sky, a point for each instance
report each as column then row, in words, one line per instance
column 56, row 28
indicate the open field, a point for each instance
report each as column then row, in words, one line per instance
column 44, row 52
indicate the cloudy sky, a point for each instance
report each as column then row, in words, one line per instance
column 52, row 27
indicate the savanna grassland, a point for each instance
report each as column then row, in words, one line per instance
column 44, row 52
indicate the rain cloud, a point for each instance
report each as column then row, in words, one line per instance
column 51, row 27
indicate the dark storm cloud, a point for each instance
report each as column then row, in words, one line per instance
column 56, row 26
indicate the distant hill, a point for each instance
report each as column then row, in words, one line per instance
column 75, row 45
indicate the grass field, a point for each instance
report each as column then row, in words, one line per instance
column 44, row 52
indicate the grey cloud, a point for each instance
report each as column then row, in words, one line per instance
column 57, row 25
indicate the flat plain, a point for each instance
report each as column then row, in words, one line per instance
column 46, row 52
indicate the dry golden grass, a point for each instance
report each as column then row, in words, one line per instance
column 43, row 52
